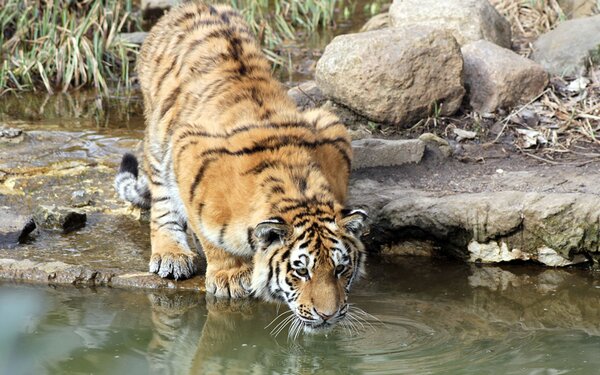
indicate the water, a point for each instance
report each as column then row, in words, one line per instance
column 429, row 317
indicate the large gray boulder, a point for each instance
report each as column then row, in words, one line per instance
column 394, row 76
column 468, row 20
column 567, row 49
column 496, row 77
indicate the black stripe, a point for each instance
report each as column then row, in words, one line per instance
column 222, row 234
column 250, row 235
column 200, row 174
column 164, row 76
column 163, row 215
column 242, row 129
column 160, row 199
column 284, row 141
column 168, row 103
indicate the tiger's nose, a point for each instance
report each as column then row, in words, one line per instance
column 323, row 315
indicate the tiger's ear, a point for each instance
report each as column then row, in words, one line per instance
column 354, row 221
column 270, row 231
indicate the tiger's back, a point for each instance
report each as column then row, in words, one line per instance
column 202, row 62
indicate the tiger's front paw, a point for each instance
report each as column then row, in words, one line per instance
column 233, row 282
column 175, row 264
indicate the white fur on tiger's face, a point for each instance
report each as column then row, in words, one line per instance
column 228, row 156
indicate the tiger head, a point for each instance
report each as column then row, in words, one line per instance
column 310, row 267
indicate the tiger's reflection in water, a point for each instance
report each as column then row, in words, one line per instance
column 194, row 334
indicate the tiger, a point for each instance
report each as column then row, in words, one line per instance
column 228, row 154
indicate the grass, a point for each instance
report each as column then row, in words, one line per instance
column 58, row 44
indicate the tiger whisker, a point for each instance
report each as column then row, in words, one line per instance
column 293, row 328
column 300, row 328
column 279, row 327
column 277, row 317
column 353, row 324
column 365, row 315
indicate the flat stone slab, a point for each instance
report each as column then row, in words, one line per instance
column 372, row 152
column 63, row 273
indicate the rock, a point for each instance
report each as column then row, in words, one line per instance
column 59, row 218
column 436, row 144
column 137, row 37
column 307, row 95
column 555, row 229
column 496, row 77
column 378, row 22
column 577, row 8
column 462, row 134
column 383, row 152
column 394, row 76
column 11, row 135
column 14, row 229
column 82, row 198
column 567, row 49
column 468, row 20
column 360, row 133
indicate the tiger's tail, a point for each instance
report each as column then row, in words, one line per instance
column 129, row 185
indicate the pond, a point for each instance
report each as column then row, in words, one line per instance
column 427, row 316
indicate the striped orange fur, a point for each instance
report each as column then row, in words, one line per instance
column 228, row 154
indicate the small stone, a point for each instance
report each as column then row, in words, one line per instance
column 27, row 230
column 462, row 134
column 81, row 198
column 531, row 118
column 307, row 95
column 578, row 84
column 14, row 229
column 59, row 218
column 433, row 141
column 467, row 20
column 496, row 77
column 567, row 49
column 378, row 22
column 360, row 133
column 394, row 76
column 11, row 135
column 384, row 152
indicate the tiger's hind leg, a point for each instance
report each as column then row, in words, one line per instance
column 227, row 275
column 171, row 255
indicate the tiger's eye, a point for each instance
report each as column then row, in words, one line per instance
column 302, row 271
column 339, row 268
